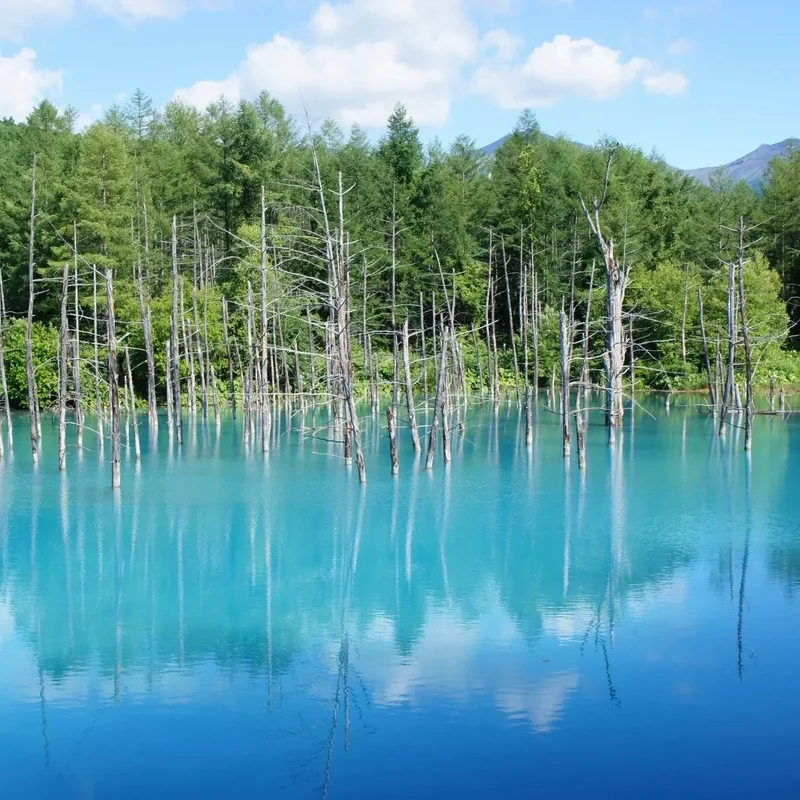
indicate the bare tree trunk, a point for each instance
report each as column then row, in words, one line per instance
column 616, row 285
column 62, row 372
column 30, row 373
column 168, row 381
column 113, row 383
column 98, row 402
column 312, row 355
column 748, row 356
column 579, row 431
column 147, row 334
column 511, row 323
column 424, row 353
column 266, row 412
column 392, row 425
column 3, row 378
column 197, row 265
column 137, row 449
column 440, row 384
column 231, row 382
column 76, row 352
column 412, row 414
column 632, row 363
column 712, row 396
column 176, row 337
column 565, row 398
column 446, row 414
column 191, row 393
column 727, row 395
column 585, row 374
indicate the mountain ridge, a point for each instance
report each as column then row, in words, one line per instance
column 750, row 168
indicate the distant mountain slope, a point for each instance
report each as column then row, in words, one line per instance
column 750, row 168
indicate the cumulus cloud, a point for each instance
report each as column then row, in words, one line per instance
column 360, row 58
column 25, row 85
column 570, row 68
column 16, row 16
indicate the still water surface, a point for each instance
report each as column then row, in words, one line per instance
column 509, row 626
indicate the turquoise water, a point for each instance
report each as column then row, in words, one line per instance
column 231, row 626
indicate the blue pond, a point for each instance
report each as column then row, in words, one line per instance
column 231, row 625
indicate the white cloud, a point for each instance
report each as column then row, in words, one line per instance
column 502, row 43
column 138, row 10
column 18, row 15
column 24, row 85
column 681, row 47
column 361, row 57
column 671, row 83
column 571, row 68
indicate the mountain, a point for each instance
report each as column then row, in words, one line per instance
column 750, row 168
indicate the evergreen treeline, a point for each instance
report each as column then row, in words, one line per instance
column 420, row 221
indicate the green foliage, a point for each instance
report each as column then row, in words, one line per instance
column 45, row 348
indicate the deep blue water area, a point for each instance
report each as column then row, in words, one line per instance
column 231, row 624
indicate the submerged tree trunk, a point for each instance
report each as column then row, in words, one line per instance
column 3, row 378
column 76, row 352
column 113, row 383
column 392, row 426
column 63, row 351
column 137, row 449
column 30, row 373
column 748, row 356
column 565, row 374
column 440, row 389
column 728, row 393
column 175, row 337
column 412, row 414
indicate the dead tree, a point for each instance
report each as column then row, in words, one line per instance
column 175, row 337
column 565, row 371
column 729, row 390
column 98, row 403
column 30, row 373
column 3, row 378
column 412, row 414
column 748, row 355
column 132, row 399
column 266, row 413
column 617, row 276
column 231, row 382
column 76, row 353
column 113, row 383
column 392, row 426
column 63, row 351
column 437, row 402
column 147, row 335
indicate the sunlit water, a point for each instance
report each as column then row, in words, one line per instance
column 235, row 626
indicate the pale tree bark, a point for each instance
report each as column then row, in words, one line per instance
column 175, row 337
column 63, row 351
column 30, row 373
column 392, row 426
column 137, row 448
column 437, row 402
column 617, row 276
column 3, row 378
column 412, row 414
column 76, row 353
column 748, row 355
column 113, row 383
column 266, row 412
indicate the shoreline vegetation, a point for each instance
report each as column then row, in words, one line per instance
column 230, row 258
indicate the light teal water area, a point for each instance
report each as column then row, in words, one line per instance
column 231, row 625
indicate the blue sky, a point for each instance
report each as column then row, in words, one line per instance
column 701, row 81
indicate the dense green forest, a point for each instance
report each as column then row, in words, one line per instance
column 420, row 220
